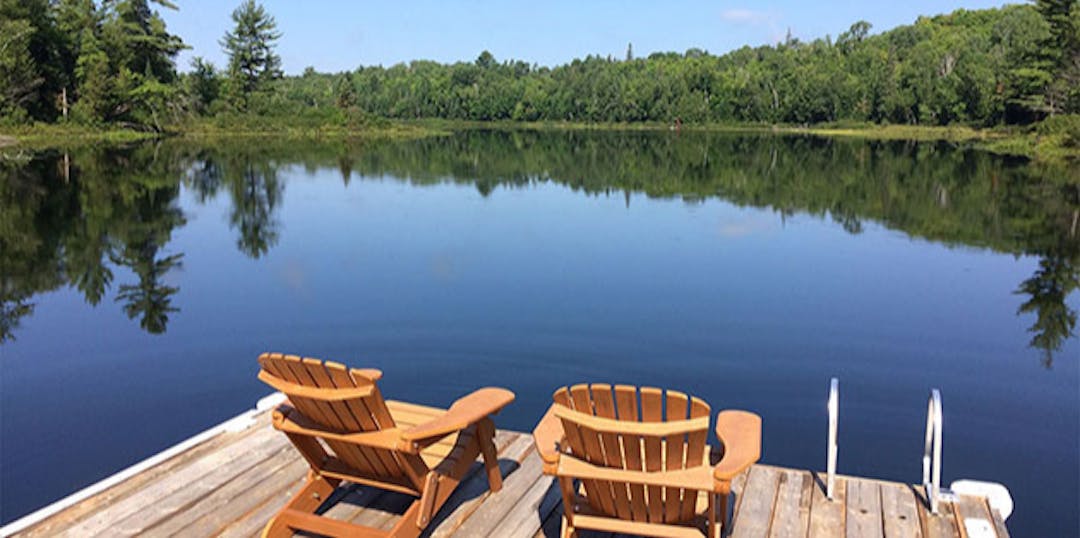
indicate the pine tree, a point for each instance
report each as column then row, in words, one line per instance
column 250, row 46
column 1061, row 54
column 345, row 92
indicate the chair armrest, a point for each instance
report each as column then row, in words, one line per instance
column 740, row 434
column 547, row 435
column 465, row 411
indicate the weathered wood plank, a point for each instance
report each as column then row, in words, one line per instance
column 253, row 522
column 528, row 514
column 863, row 509
column 756, row 505
column 181, row 500
column 59, row 522
column 475, row 490
column 999, row 523
column 224, row 513
column 240, row 490
column 791, row 518
column 234, row 483
column 103, row 520
column 827, row 516
column 484, row 520
column 974, row 518
column 898, row 511
column 942, row 525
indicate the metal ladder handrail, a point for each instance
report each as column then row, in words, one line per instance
column 834, row 419
column 932, row 485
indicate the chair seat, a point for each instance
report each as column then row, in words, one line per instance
column 407, row 415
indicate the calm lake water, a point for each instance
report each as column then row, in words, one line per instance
column 139, row 284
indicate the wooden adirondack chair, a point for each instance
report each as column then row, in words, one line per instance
column 644, row 468
column 338, row 420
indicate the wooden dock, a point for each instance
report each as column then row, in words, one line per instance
column 230, row 482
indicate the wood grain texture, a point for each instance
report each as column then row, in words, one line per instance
column 863, row 509
column 791, row 516
column 757, row 503
column 898, row 511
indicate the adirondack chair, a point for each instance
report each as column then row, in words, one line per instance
column 643, row 469
column 338, row 420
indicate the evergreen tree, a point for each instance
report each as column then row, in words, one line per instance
column 345, row 92
column 1061, row 53
column 250, row 46
column 29, row 58
column 202, row 85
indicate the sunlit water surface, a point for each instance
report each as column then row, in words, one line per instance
column 744, row 271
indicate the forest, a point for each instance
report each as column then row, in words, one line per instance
column 113, row 63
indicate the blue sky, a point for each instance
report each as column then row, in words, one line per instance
column 335, row 36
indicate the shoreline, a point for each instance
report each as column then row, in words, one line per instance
column 1000, row 141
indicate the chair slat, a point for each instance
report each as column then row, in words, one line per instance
column 593, row 451
column 626, row 402
column 674, row 453
column 577, row 446
column 359, row 417
column 695, row 454
column 604, row 403
column 652, row 411
column 309, row 372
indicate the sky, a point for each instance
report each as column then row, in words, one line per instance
column 342, row 35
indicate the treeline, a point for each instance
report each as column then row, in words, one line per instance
column 114, row 62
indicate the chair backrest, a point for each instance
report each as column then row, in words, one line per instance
column 353, row 415
column 609, row 427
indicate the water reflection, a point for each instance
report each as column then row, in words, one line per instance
column 71, row 219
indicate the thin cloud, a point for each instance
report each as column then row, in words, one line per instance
column 767, row 21
column 744, row 16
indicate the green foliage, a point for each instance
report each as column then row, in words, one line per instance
column 250, row 46
column 345, row 93
column 19, row 79
column 1013, row 65
column 202, row 85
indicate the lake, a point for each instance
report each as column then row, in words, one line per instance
column 139, row 284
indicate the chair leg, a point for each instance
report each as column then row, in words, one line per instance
column 714, row 529
column 567, row 531
column 725, row 518
column 315, row 491
column 408, row 526
column 485, row 430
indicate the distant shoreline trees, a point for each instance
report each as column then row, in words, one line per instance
column 81, row 61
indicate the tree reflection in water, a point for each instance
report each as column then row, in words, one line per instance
column 71, row 219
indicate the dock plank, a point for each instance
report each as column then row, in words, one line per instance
column 474, row 490
column 827, row 517
column 941, row 525
column 103, row 520
column 898, row 511
column 211, row 512
column 232, row 484
column 60, row 522
column 157, row 509
column 756, row 505
column 252, row 523
column 484, row 520
column 791, row 517
column 974, row 518
column 863, row 509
